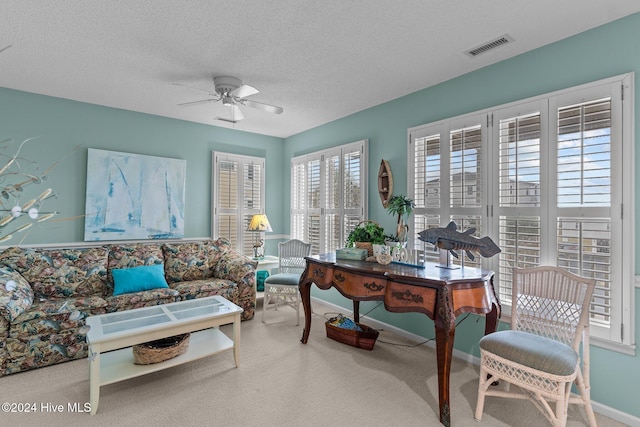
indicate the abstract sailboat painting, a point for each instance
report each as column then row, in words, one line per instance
column 133, row 196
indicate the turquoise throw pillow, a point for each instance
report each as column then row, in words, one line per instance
column 136, row 279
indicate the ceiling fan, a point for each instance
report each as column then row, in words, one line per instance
column 232, row 93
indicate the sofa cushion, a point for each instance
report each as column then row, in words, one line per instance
column 55, row 316
column 141, row 299
column 206, row 288
column 60, row 273
column 132, row 255
column 61, row 310
column 236, row 267
column 191, row 260
column 136, row 279
column 45, row 350
column 222, row 243
column 16, row 294
column 4, row 332
column 51, row 331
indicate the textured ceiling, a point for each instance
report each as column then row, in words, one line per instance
column 319, row 60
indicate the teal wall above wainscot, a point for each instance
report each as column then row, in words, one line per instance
column 60, row 125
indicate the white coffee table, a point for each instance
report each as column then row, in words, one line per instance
column 119, row 331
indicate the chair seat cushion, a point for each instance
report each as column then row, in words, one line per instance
column 533, row 351
column 283, row 279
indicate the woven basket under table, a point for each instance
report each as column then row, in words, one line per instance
column 160, row 350
column 365, row 338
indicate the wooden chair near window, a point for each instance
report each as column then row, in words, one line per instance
column 282, row 287
column 540, row 354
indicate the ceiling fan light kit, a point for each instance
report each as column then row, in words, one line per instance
column 233, row 93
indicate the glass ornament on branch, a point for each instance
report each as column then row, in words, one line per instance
column 18, row 176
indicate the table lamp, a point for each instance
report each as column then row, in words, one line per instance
column 259, row 223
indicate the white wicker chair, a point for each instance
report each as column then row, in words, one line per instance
column 283, row 286
column 541, row 353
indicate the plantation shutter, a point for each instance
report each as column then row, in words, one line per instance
column 518, row 135
column 333, row 200
column 549, row 187
column 253, row 203
column 466, row 178
column 298, row 199
column 238, row 193
column 353, row 191
column 447, row 179
column 584, row 199
column 227, row 199
column 328, row 193
column 426, row 192
column 314, row 197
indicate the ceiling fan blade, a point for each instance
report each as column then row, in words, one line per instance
column 236, row 113
column 244, row 91
column 195, row 88
column 202, row 101
column 261, row 106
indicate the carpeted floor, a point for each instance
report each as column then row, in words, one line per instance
column 280, row 382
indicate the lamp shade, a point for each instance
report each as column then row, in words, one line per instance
column 259, row 222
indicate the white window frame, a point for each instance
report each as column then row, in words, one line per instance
column 242, row 236
column 447, row 210
column 620, row 336
column 301, row 212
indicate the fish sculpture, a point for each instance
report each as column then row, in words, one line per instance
column 448, row 238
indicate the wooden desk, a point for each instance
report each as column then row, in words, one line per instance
column 439, row 293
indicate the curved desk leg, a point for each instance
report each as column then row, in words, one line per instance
column 305, row 294
column 445, row 333
column 491, row 318
column 356, row 311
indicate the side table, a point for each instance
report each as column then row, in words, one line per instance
column 268, row 262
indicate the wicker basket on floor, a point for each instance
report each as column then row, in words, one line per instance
column 160, row 350
column 366, row 338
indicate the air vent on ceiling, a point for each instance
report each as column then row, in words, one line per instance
column 483, row 48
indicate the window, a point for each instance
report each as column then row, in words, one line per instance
column 238, row 189
column 328, row 195
column 543, row 178
column 446, row 168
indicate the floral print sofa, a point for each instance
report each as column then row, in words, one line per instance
column 46, row 294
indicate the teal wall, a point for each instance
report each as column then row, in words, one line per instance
column 603, row 52
column 61, row 125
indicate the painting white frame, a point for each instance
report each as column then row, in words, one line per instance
column 133, row 196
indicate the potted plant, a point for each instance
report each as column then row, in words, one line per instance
column 365, row 235
column 401, row 206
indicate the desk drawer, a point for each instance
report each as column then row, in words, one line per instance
column 404, row 298
column 359, row 285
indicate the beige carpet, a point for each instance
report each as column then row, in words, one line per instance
column 280, row 382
